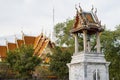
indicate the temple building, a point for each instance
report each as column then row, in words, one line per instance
column 42, row 46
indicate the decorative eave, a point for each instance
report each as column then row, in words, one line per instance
column 91, row 29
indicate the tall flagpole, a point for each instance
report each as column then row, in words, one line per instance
column 53, row 19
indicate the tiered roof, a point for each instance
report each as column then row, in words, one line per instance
column 86, row 21
column 40, row 43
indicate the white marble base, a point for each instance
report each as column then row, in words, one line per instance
column 83, row 65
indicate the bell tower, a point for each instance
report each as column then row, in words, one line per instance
column 87, row 64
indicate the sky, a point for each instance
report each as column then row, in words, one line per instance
column 36, row 16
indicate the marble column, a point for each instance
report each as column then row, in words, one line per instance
column 98, row 42
column 76, row 43
column 85, row 40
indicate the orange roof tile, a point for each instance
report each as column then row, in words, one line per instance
column 44, row 45
column 39, row 45
column 3, row 51
column 11, row 46
column 29, row 40
column 37, row 39
column 20, row 42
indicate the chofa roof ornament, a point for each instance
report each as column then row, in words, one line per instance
column 80, row 8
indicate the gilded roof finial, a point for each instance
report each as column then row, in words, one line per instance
column 92, row 8
column 80, row 8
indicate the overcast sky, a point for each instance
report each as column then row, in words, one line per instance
column 32, row 16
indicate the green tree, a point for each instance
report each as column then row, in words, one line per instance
column 64, row 37
column 110, row 41
column 62, row 33
column 22, row 61
column 58, row 62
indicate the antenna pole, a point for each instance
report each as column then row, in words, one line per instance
column 53, row 16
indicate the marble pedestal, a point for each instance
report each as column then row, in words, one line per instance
column 83, row 66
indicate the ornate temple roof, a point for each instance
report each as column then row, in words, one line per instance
column 86, row 21
column 40, row 43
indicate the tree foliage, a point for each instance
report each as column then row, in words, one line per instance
column 110, row 41
column 22, row 61
column 64, row 37
column 62, row 33
column 58, row 62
